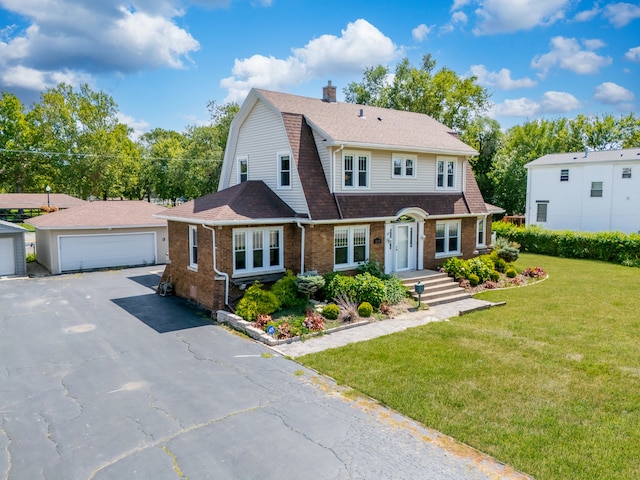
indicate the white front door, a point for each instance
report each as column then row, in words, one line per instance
column 403, row 246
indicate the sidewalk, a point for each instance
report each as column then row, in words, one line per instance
column 384, row 327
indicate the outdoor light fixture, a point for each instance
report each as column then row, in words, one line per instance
column 419, row 288
column 48, row 189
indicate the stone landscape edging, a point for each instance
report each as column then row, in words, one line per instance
column 238, row 323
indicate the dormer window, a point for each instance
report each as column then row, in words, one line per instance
column 356, row 170
column 403, row 166
column 445, row 174
column 243, row 169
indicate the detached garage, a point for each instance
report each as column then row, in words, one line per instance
column 101, row 235
column 13, row 260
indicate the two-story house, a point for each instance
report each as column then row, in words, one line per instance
column 315, row 184
column 586, row 191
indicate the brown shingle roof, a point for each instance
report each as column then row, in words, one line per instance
column 354, row 206
column 472, row 192
column 37, row 200
column 115, row 214
column 245, row 201
column 341, row 123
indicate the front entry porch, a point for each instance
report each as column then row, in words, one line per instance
column 438, row 287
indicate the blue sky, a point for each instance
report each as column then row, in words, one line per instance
column 163, row 60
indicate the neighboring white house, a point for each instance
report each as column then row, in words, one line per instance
column 586, row 191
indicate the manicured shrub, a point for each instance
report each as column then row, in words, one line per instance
column 455, row 267
column 480, row 268
column 495, row 276
column 511, row 272
column 369, row 289
column 340, row 285
column 499, row 264
column 331, row 311
column 287, row 291
column 473, row 279
column 374, row 268
column 365, row 310
column 309, row 283
column 394, row 290
column 257, row 301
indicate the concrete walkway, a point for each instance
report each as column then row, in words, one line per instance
column 384, row 327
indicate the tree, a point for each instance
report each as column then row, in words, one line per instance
column 444, row 95
column 484, row 134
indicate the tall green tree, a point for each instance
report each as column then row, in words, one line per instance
column 443, row 94
column 484, row 134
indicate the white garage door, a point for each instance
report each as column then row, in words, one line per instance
column 7, row 256
column 85, row 252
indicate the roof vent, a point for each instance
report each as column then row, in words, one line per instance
column 362, row 113
column 329, row 93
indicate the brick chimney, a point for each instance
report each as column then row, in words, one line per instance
column 329, row 93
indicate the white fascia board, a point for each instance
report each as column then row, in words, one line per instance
column 227, row 223
column 97, row 227
column 403, row 148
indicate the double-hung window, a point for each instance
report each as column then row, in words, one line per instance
column 356, row 170
column 596, row 189
column 481, row 239
column 351, row 245
column 541, row 213
column 284, row 170
column 626, row 172
column 193, row 247
column 403, row 166
column 243, row 169
column 257, row 250
column 447, row 238
column 445, row 174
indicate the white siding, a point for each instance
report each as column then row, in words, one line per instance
column 261, row 137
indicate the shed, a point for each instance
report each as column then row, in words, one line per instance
column 101, row 235
column 12, row 250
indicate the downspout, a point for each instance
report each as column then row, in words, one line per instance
column 215, row 268
column 301, row 247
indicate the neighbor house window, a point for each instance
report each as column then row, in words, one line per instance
column 541, row 213
column 403, row 166
column 596, row 189
column 626, row 172
column 350, row 245
column 193, row 246
column 480, row 230
column 257, row 250
column 356, row 170
column 446, row 174
column 284, row 170
column 243, row 169
column 447, row 238
column 564, row 175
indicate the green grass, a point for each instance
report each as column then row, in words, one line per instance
column 549, row 383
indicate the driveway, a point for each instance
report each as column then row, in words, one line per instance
column 100, row 378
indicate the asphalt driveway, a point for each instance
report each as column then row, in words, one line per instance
column 100, row 378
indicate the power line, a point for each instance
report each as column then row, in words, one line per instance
column 100, row 155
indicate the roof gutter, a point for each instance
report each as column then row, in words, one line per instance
column 404, row 148
column 215, row 267
column 301, row 247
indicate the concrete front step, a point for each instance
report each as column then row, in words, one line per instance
column 439, row 288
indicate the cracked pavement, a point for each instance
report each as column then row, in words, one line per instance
column 101, row 378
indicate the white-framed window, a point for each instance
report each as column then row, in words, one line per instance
column 481, row 229
column 243, row 169
column 626, row 172
column 445, row 174
column 193, row 247
column 284, row 170
column 350, row 246
column 596, row 189
column 541, row 212
column 564, row 175
column 257, row 250
column 448, row 238
column 356, row 169
column 403, row 166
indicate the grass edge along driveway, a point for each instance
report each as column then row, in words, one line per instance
column 548, row 384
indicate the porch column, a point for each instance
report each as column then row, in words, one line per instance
column 420, row 264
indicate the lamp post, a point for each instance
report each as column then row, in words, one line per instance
column 419, row 288
column 48, row 189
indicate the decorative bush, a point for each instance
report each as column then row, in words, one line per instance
column 340, row 285
column 498, row 263
column 309, row 283
column 495, row 276
column 480, row 268
column 511, row 272
column 473, row 279
column 394, row 290
column 262, row 321
column 284, row 331
column 369, row 289
column 331, row 311
column 314, row 321
column 455, row 267
column 257, row 301
column 535, row 272
column 348, row 308
column 374, row 268
column 385, row 309
column 287, row 291
column 365, row 310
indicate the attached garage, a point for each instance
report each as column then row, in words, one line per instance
column 101, row 235
column 12, row 250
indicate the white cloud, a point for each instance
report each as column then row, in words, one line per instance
column 612, row 93
column 73, row 39
column 550, row 103
column 504, row 16
column 587, row 15
column 361, row 45
column 420, row 32
column 621, row 14
column 459, row 17
column 138, row 126
column 566, row 53
column 458, row 4
column 633, row 54
column 501, row 79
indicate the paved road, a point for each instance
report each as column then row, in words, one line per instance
column 100, row 378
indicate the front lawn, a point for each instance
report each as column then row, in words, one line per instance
column 549, row 383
